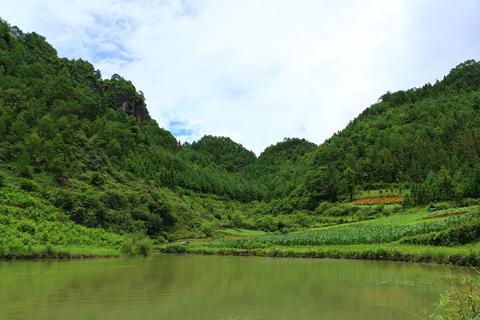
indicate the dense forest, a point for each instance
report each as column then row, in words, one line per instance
column 80, row 152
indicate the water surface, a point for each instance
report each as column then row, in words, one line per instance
column 218, row 288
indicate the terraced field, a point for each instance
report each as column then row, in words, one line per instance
column 383, row 230
column 409, row 235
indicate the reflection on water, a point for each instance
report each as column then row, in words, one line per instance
column 218, row 288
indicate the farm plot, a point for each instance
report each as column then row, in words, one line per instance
column 358, row 233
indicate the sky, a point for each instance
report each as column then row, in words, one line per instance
column 259, row 70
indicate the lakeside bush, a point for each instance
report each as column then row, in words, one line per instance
column 137, row 244
column 462, row 301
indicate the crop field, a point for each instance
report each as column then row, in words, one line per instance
column 240, row 233
column 382, row 230
column 445, row 236
column 378, row 200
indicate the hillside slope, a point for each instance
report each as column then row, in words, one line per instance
column 88, row 147
column 430, row 133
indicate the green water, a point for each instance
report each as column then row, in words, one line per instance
column 214, row 288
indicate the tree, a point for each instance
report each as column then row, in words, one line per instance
column 322, row 185
column 113, row 148
column 349, row 182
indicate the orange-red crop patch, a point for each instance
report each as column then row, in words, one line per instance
column 379, row 200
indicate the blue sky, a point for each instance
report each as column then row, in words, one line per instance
column 259, row 71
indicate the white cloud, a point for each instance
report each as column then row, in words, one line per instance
column 258, row 71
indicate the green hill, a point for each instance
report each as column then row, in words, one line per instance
column 85, row 170
column 280, row 167
column 226, row 153
column 427, row 138
column 89, row 149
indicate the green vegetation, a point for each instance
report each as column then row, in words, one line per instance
column 32, row 227
column 462, row 256
column 87, row 150
column 280, row 168
column 462, row 301
column 226, row 153
column 137, row 244
column 85, row 171
column 408, row 235
column 424, row 139
column 359, row 233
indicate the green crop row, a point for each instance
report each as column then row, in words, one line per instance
column 360, row 233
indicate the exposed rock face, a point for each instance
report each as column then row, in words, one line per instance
column 122, row 93
column 138, row 111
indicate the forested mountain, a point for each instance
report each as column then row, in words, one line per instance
column 86, row 149
column 89, row 147
column 423, row 133
column 226, row 153
column 281, row 167
column 58, row 116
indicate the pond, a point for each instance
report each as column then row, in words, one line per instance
column 219, row 288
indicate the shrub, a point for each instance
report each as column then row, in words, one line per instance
column 176, row 248
column 25, row 171
column 443, row 205
column 115, row 200
column 339, row 211
column 322, row 207
column 97, row 179
column 29, row 185
column 160, row 240
column 208, row 229
column 462, row 300
column 239, row 221
column 468, row 202
column 266, row 223
column 48, row 250
column 408, row 200
column 137, row 244
column 26, row 227
column 182, row 234
column 3, row 179
column 302, row 219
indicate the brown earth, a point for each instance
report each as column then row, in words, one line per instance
column 379, row 200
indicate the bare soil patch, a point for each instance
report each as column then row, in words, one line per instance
column 379, row 200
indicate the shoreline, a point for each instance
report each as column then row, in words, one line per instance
column 460, row 256
column 62, row 253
